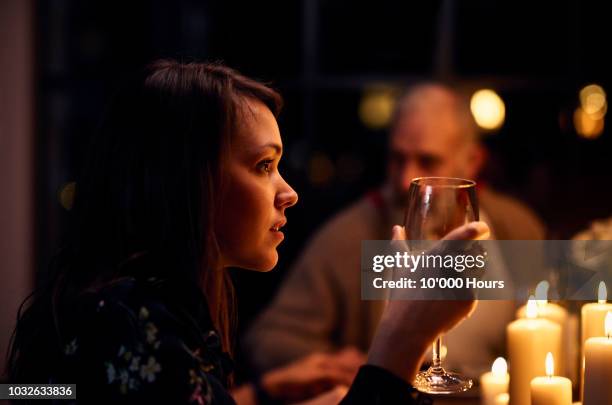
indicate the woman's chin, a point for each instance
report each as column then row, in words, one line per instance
column 270, row 264
column 262, row 264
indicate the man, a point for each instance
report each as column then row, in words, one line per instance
column 319, row 307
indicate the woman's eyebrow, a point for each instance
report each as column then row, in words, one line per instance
column 277, row 148
column 257, row 151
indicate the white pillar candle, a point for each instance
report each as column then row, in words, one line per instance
column 592, row 323
column 502, row 399
column 494, row 382
column 598, row 367
column 529, row 340
column 551, row 390
column 558, row 314
column 546, row 310
column 593, row 315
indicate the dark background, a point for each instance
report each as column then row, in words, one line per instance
column 322, row 55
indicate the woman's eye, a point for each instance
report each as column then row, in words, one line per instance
column 266, row 166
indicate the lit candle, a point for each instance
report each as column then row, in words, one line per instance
column 593, row 316
column 494, row 382
column 551, row 390
column 598, row 367
column 546, row 310
column 502, row 399
column 529, row 340
column 558, row 314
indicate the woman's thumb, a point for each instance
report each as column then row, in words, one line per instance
column 398, row 233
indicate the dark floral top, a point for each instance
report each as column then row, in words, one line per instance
column 152, row 342
column 143, row 342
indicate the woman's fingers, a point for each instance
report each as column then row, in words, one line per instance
column 473, row 231
column 407, row 328
column 398, row 233
column 350, row 359
column 477, row 230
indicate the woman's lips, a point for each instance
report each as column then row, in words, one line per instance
column 278, row 234
column 277, row 226
column 276, row 229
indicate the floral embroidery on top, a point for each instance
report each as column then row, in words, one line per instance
column 155, row 350
column 71, row 347
column 135, row 364
column 127, row 370
column 148, row 371
column 202, row 392
column 151, row 332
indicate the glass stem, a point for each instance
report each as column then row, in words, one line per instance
column 437, row 348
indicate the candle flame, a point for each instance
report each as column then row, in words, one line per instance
column 608, row 324
column 500, row 367
column 602, row 293
column 532, row 307
column 541, row 292
column 550, row 365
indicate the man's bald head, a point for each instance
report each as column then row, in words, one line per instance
column 433, row 134
column 433, row 109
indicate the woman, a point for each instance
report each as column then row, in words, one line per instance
column 182, row 182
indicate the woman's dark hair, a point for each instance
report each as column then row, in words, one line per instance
column 151, row 186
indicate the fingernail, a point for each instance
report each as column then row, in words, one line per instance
column 480, row 227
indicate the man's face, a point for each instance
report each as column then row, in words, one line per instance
column 427, row 140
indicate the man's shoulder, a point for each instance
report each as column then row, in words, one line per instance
column 358, row 218
column 493, row 200
column 511, row 219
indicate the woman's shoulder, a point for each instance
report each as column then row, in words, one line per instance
column 133, row 301
column 127, row 298
column 130, row 341
column 126, row 309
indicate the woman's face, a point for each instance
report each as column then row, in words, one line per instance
column 252, row 211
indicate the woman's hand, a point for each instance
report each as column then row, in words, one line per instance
column 313, row 375
column 408, row 328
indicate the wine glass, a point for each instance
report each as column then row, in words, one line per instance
column 436, row 206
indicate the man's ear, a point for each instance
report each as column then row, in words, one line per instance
column 477, row 157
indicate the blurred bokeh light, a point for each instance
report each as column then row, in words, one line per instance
column 488, row 109
column 587, row 125
column 593, row 100
column 321, row 170
column 589, row 117
column 376, row 106
column 66, row 195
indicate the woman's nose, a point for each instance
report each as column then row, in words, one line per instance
column 286, row 197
